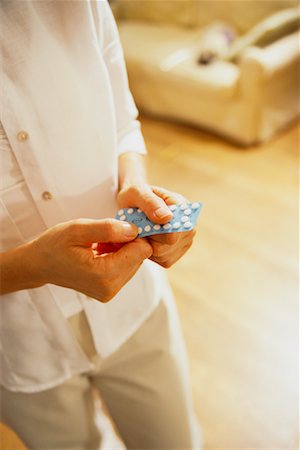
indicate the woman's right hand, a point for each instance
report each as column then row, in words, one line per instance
column 63, row 255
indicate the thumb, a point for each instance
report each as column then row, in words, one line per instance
column 154, row 207
column 86, row 231
column 134, row 252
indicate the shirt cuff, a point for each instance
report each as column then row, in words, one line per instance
column 132, row 140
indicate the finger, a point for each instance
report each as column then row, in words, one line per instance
column 173, row 238
column 168, row 238
column 134, row 252
column 121, row 266
column 155, row 208
column 167, row 260
column 152, row 205
column 170, row 198
column 161, row 252
column 163, row 261
column 87, row 231
column 165, row 250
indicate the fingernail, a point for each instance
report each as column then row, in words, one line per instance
column 130, row 230
column 162, row 212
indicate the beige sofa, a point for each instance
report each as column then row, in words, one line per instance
column 247, row 98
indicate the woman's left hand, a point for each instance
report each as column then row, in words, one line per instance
column 153, row 201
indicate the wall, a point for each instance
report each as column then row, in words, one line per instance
column 197, row 13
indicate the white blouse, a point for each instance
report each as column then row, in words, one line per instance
column 67, row 114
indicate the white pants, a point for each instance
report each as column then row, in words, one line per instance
column 144, row 386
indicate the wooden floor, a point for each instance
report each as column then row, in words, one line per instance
column 236, row 289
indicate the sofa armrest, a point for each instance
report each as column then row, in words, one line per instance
column 261, row 64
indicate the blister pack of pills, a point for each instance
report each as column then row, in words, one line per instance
column 185, row 216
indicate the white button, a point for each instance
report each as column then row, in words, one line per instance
column 47, row 195
column 187, row 211
column 184, row 219
column 147, row 228
column 129, row 211
column 156, row 227
column 167, row 226
column 176, row 225
column 140, row 230
column 183, row 206
column 22, row 136
column 120, row 212
column 123, row 217
column 195, row 205
column 172, row 207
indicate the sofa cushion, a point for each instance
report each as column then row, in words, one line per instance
column 154, row 51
